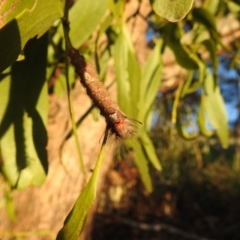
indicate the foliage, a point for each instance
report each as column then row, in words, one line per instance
column 30, row 29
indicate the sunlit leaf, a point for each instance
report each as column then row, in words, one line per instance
column 209, row 83
column 187, row 84
column 23, row 117
column 117, row 8
column 202, row 119
column 182, row 130
column 174, row 10
column 217, row 116
column 134, row 76
column 121, row 65
column 8, row 10
column 15, row 34
column 84, row 17
column 9, row 204
column 104, row 58
column 141, row 162
column 149, row 149
column 212, row 6
column 151, row 80
column 75, row 220
column 212, row 49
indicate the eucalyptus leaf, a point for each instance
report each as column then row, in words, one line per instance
column 150, row 151
column 202, row 118
column 134, row 77
column 23, row 117
column 8, row 10
column 212, row 49
column 84, row 20
column 185, row 58
column 218, row 116
column 15, row 34
column 182, row 130
column 121, row 65
column 204, row 17
column 74, row 222
column 141, row 162
column 151, row 80
column 174, row 10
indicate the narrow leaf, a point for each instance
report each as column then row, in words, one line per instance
column 152, row 77
column 185, row 58
column 204, row 17
column 202, row 118
column 75, row 219
column 212, row 49
column 84, row 17
column 141, row 163
column 217, row 115
column 121, row 65
column 150, row 151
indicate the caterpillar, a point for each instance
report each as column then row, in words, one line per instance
column 118, row 123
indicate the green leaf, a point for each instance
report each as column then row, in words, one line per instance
column 174, row 10
column 151, row 80
column 209, row 83
column 186, row 86
column 9, row 204
column 134, row 77
column 121, row 65
column 202, row 118
column 149, row 149
column 212, row 6
column 102, row 63
column 212, row 49
column 26, row 25
column 141, row 162
column 74, row 222
column 181, row 128
column 8, row 10
column 184, row 57
column 204, row 17
column 84, row 17
column 105, row 55
column 23, row 116
column 217, row 116
column 116, row 8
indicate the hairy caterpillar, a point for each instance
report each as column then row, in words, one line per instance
column 117, row 122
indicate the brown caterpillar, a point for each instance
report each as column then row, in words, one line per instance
column 117, row 122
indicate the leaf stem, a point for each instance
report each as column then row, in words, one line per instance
column 70, row 104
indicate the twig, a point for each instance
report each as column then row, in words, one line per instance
column 161, row 226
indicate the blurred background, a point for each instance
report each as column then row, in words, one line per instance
column 179, row 177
